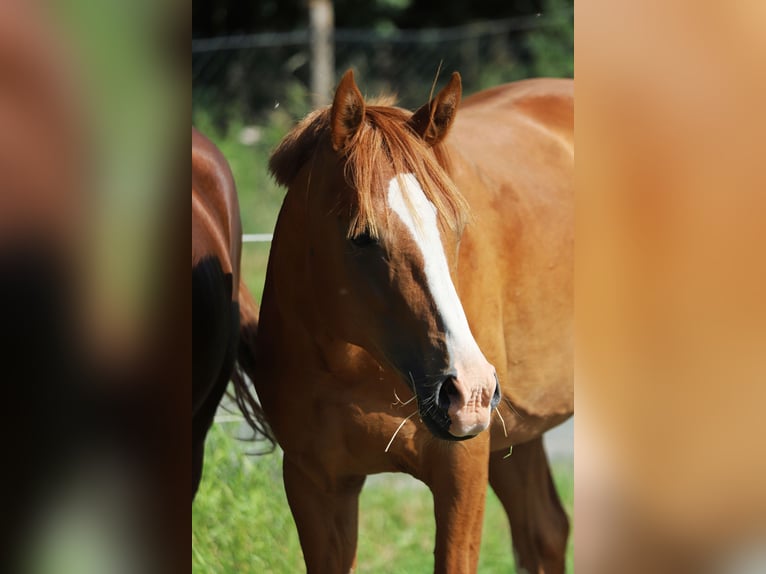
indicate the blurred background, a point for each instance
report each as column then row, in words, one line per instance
column 258, row 68
column 250, row 57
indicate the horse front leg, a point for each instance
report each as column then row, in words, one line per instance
column 457, row 476
column 326, row 516
column 539, row 524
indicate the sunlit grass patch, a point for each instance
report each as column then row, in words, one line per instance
column 241, row 521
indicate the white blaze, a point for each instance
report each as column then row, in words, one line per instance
column 422, row 225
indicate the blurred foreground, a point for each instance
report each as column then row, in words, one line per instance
column 93, row 357
column 670, row 464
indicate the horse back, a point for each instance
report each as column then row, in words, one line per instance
column 548, row 102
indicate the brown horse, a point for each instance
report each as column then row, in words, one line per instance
column 425, row 254
column 221, row 314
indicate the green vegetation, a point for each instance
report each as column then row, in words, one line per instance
column 241, row 522
column 552, row 48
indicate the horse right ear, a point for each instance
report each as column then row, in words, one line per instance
column 434, row 119
column 347, row 112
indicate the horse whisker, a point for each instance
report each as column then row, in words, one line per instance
column 409, row 401
column 505, row 431
column 400, row 402
column 396, row 432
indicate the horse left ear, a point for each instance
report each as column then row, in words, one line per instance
column 434, row 119
column 347, row 111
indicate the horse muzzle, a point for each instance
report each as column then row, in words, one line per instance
column 460, row 411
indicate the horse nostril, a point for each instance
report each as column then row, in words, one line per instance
column 496, row 395
column 446, row 393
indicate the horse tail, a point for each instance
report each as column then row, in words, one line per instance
column 244, row 370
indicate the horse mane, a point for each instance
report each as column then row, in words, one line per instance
column 384, row 139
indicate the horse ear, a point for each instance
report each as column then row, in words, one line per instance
column 347, row 112
column 434, row 119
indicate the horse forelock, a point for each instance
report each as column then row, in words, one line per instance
column 384, row 144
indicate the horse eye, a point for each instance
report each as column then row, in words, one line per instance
column 363, row 239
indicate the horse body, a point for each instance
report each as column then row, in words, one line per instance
column 216, row 246
column 340, row 346
column 224, row 313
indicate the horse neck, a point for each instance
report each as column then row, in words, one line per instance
column 288, row 313
column 286, row 274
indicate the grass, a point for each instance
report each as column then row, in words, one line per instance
column 241, row 522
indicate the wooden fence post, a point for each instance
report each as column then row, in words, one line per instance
column 321, row 24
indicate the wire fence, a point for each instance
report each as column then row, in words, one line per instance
column 247, row 76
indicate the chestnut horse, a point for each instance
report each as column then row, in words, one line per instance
column 423, row 257
column 221, row 314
